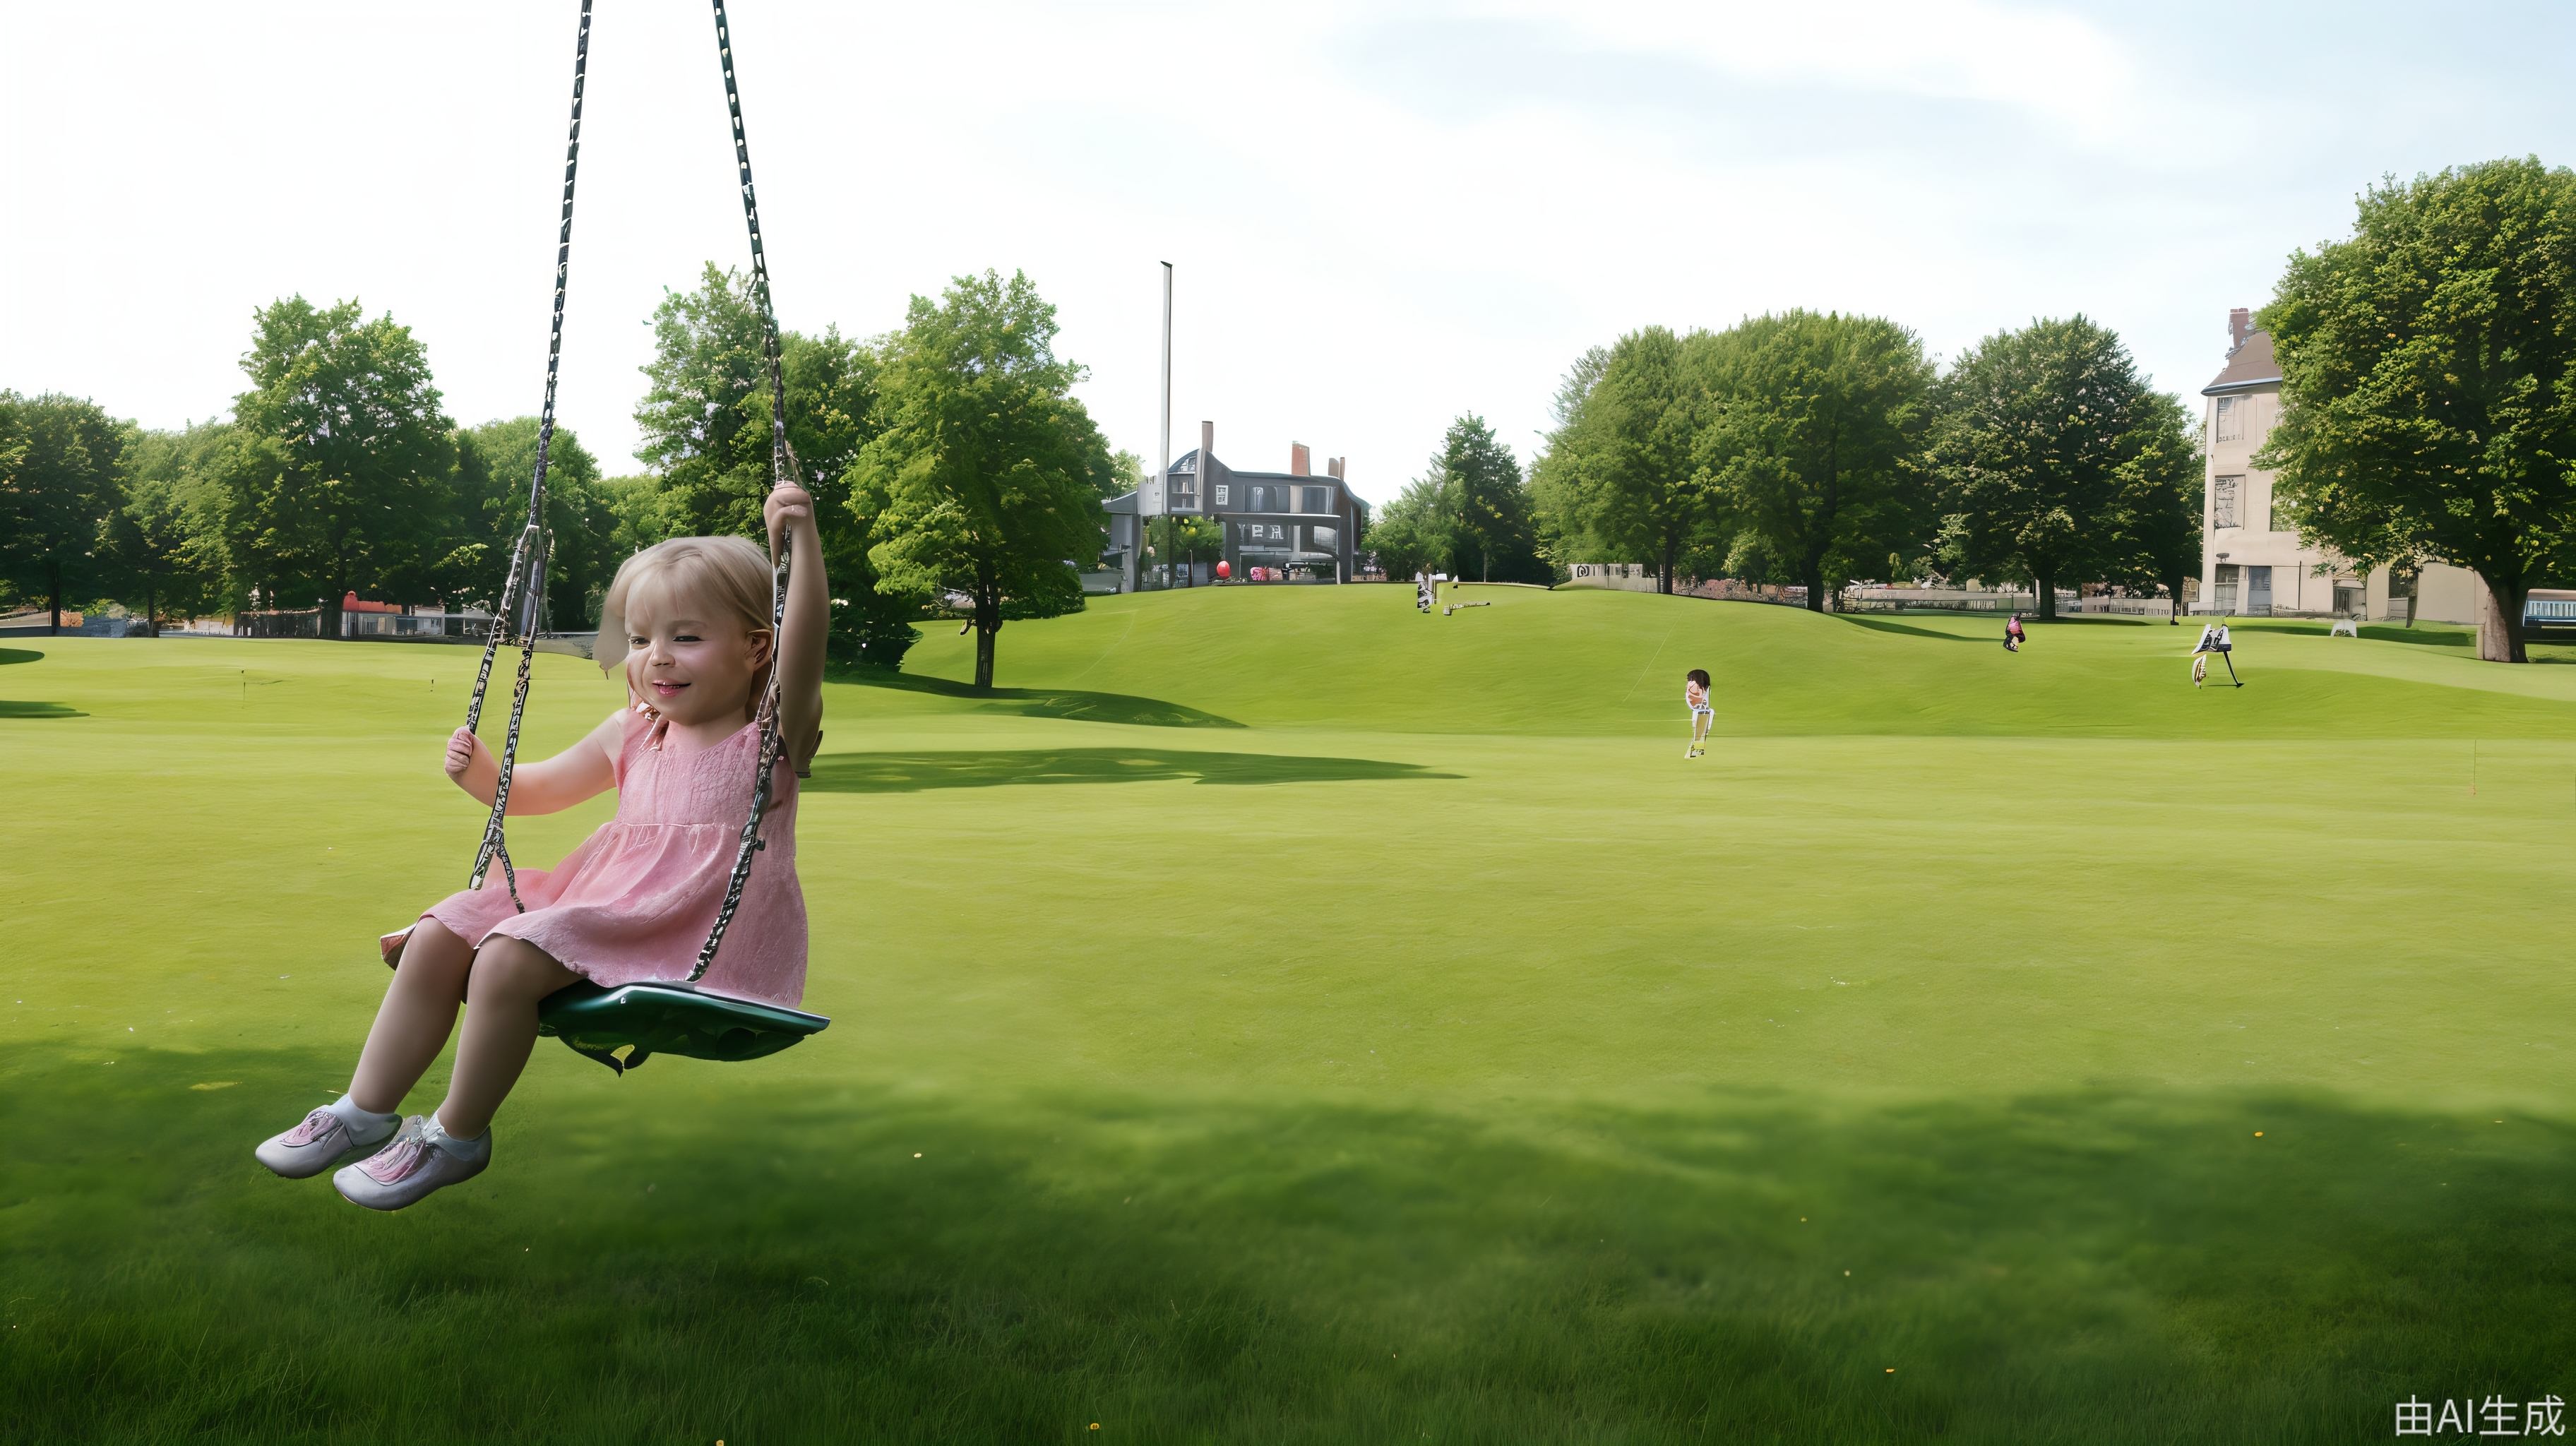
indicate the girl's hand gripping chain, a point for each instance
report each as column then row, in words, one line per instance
column 470, row 765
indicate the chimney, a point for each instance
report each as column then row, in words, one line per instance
column 2240, row 325
column 1301, row 463
column 1207, row 447
column 1334, row 467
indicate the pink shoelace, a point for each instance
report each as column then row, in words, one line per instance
column 398, row 1159
column 315, row 1126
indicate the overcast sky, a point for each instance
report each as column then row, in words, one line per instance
column 1383, row 215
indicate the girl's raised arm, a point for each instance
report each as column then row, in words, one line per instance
column 801, row 632
column 584, row 771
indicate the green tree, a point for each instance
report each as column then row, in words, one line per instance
column 705, row 410
column 1556, row 502
column 2033, row 431
column 165, row 537
column 634, row 505
column 2156, row 537
column 1624, row 474
column 1182, row 541
column 1495, row 528
column 705, row 418
column 497, row 460
column 1418, row 531
column 984, row 482
column 1814, row 437
column 338, row 482
column 1469, row 511
column 2428, row 368
column 58, row 481
column 1125, row 473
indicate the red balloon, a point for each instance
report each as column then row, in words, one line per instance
column 1225, row 569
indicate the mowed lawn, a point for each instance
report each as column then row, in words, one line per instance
column 1278, row 1016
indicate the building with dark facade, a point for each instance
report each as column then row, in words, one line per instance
column 1292, row 526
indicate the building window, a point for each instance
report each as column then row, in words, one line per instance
column 2223, row 492
column 2231, row 419
column 2226, row 588
column 1223, row 489
column 1318, row 499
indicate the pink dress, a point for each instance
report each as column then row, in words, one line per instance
column 635, row 901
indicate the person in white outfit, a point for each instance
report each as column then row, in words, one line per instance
column 1695, row 694
column 2214, row 639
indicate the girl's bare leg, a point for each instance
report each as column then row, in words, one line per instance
column 508, row 979
column 413, row 1023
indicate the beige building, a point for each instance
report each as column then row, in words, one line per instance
column 2251, row 562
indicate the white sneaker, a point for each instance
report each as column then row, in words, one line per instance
column 324, row 1139
column 422, row 1158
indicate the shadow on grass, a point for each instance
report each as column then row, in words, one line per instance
column 2382, row 632
column 1883, row 625
column 1068, row 703
column 756, row 1255
column 11, row 709
column 914, row 772
column 2422, row 638
column 18, row 655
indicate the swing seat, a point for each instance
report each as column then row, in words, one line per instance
column 650, row 1019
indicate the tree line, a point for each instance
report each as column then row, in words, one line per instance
column 1817, row 448
column 2428, row 384
column 951, row 466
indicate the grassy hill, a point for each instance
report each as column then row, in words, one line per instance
column 1580, row 662
column 1280, row 1016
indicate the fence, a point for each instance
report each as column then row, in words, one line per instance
column 1947, row 600
column 436, row 627
column 283, row 623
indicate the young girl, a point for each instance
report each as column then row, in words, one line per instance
column 688, row 622
column 1695, row 693
column 2013, row 634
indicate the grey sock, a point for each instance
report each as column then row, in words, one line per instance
column 365, row 1126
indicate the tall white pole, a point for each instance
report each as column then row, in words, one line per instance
column 1167, row 369
column 1163, row 478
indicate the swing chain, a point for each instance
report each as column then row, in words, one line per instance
column 781, row 474
column 527, row 559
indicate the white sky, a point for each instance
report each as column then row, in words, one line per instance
column 1382, row 214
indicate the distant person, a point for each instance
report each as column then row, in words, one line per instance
column 2013, row 635
column 1695, row 693
column 2214, row 639
column 1422, row 591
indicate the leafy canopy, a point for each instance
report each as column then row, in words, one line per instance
column 705, row 419
column 59, row 457
column 2428, row 367
column 1813, row 434
column 1620, row 474
column 984, row 481
column 338, row 479
column 2035, row 429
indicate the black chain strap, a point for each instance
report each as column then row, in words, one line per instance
column 781, row 473
column 527, row 560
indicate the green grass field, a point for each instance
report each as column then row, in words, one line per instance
column 1277, row 1016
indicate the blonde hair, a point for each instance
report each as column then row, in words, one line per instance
column 729, row 577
